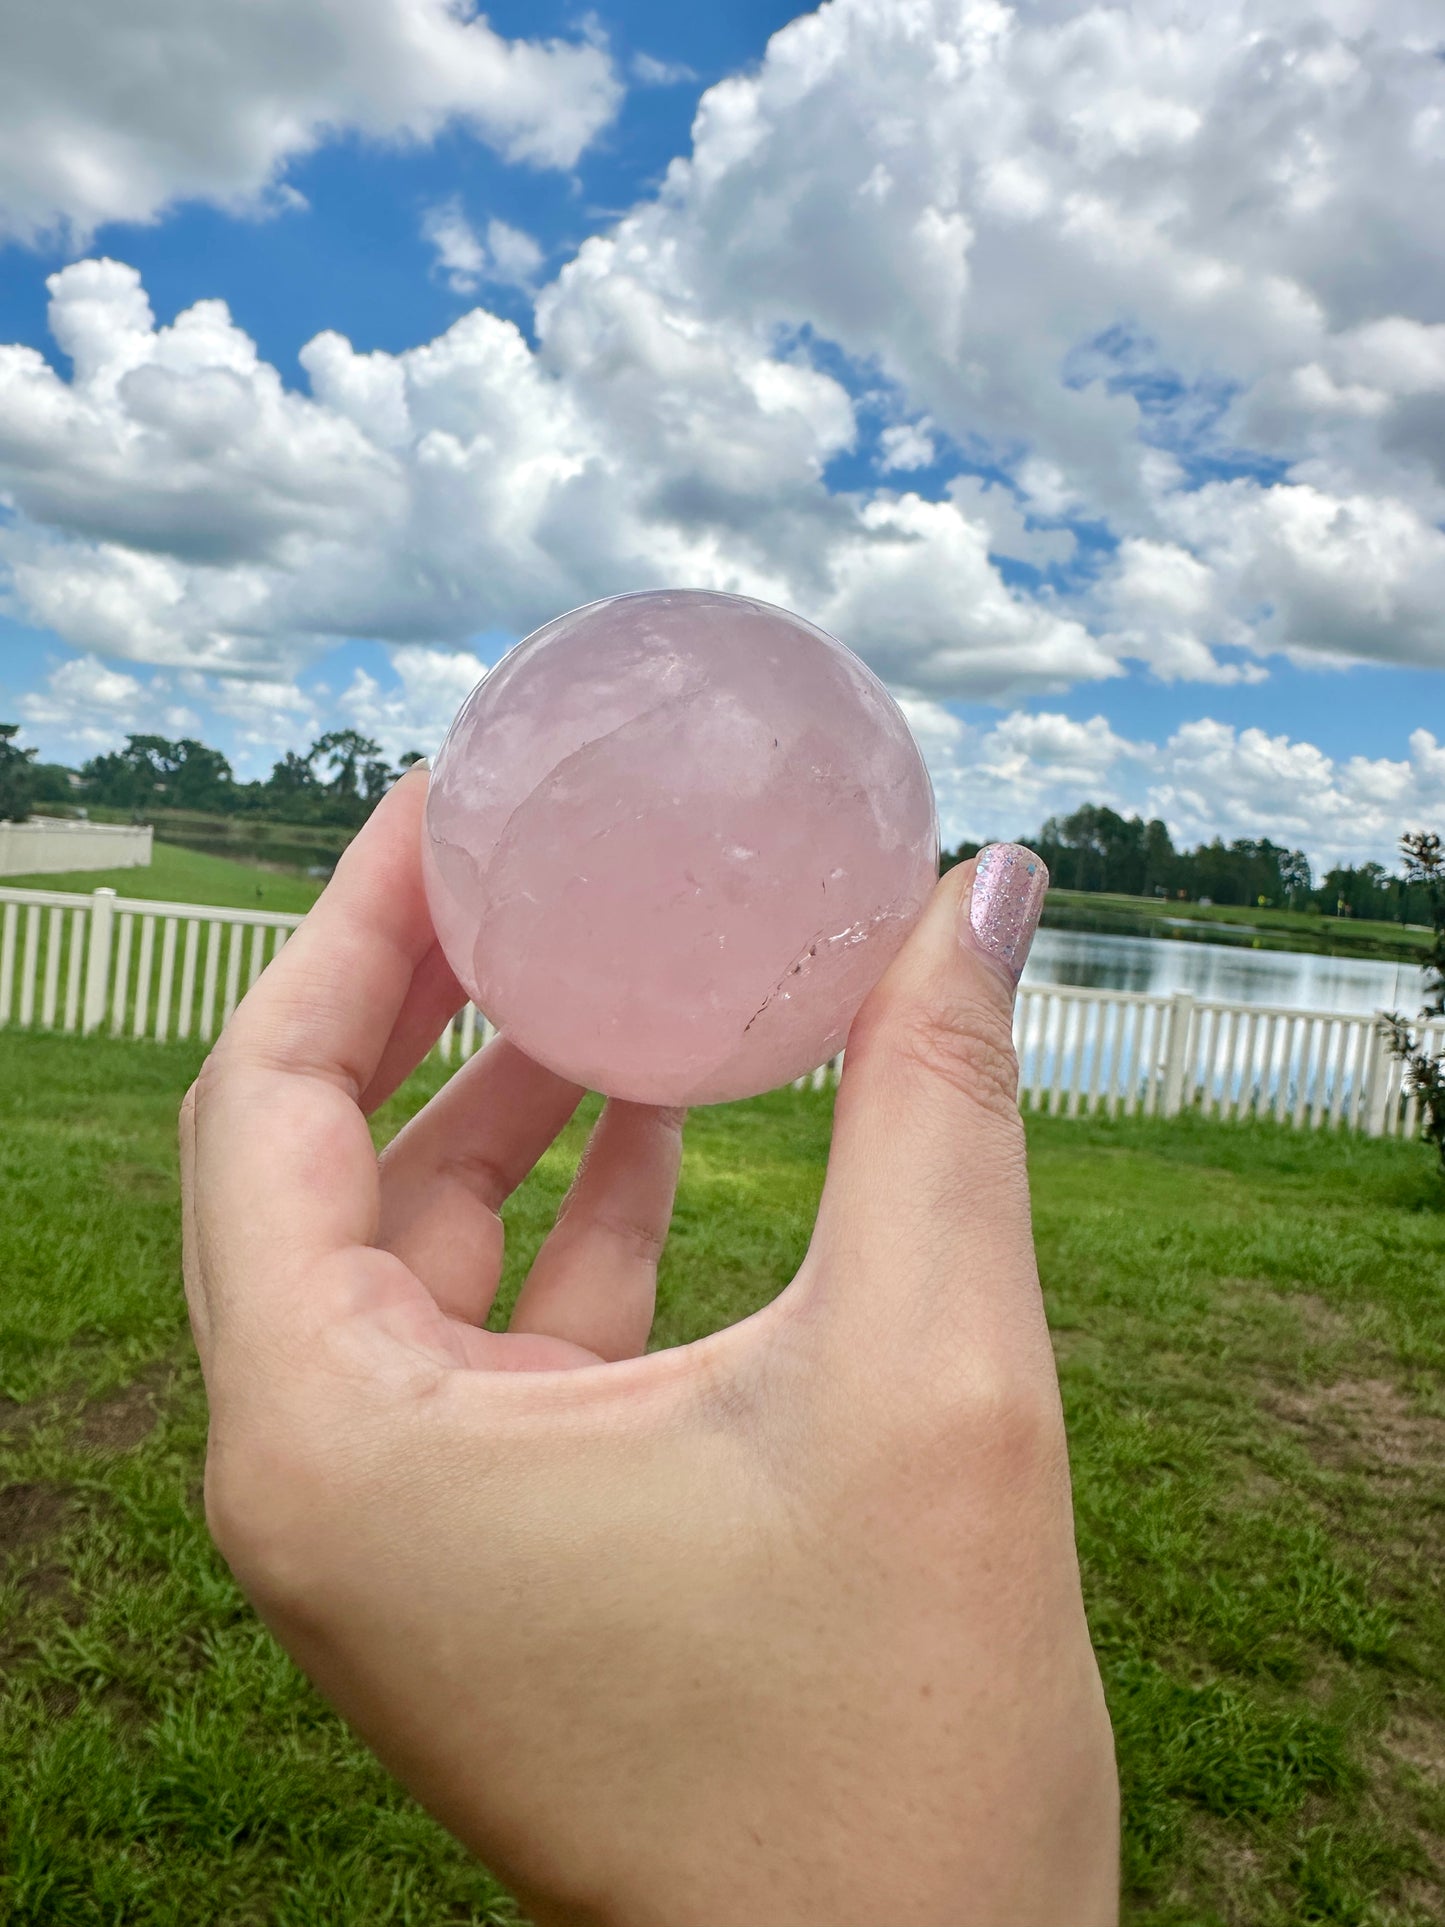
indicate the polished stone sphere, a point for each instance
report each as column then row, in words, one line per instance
column 672, row 840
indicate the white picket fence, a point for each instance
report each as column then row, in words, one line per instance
column 128, row 967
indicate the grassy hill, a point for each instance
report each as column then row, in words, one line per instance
column 177, row 875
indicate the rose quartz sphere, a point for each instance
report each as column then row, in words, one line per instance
column 672, row 840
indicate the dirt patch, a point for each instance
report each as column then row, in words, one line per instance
column 1321, row 1320
column 1419, row 1743
column 29, row 1513
column 119, row 1423
column 1072, row 1345
column 140, row 1180
column 60, row 1700
column 44, row 1584
column 1362, row 1424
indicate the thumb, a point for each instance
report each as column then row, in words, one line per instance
column 926, row 1201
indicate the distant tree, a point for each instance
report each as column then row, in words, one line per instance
column 1424, row 854
column 292, row 779
column 54, row 783
column 1367, row 890
column 1294, row 878
column 1160, row 858
column 1094, row 848
column 17, row 776
column 408, row 757
column 127, row 779
column 153, row 771
column 345, row 751
column 377, row 778
column 200, row 777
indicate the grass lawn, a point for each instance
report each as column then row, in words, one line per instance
column 1250, row 1331
column 1107, row 911
column 175, row 875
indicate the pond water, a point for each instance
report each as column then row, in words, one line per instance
column 1228, row 973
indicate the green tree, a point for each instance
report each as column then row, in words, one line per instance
column 293, row 780
column 1160, row 858
column 1424, row 854
column 152, row 771
column 17, row 776
column 1094, row 848
column 200, row 777
column 344, row 752
column 53, row 783
column 376, row 779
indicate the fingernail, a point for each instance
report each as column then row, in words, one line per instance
column 422, row 764
column 1003, row 911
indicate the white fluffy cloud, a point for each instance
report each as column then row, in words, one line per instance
column 649, row 71
column 1168, row 276
column 415, row 715
column 1109, row 245
column 508, row 258
column 1156, row 286
column 89, row 706
column 1208, row 779
column 114, row 113
column 460, row 255
column 177, row 504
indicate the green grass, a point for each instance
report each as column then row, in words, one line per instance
column 175, row 875
column 1307, row 930
column 247, row 838
column 1252, row 1349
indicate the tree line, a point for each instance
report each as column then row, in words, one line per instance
column 343, row 774
column 1096, row 849
column 337, row 781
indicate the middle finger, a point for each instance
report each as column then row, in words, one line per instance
column 445, row 1177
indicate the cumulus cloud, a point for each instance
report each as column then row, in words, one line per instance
column 516, row 258
column 460, row 255
column 1208, row 779
column 1211, row 779
column 906, row 445
column 649, row 71
column 416, row 713
column 177, row 504
column 106, row 118
column 1161, row 281
column 88, row 706
column 1104, row 246
column 509, row 258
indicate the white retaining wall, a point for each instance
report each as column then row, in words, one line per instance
column 48, row 845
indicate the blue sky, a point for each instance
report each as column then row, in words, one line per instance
column 958, row 338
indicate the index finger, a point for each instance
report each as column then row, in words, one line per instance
column 329, row 1002
column 283, row 1171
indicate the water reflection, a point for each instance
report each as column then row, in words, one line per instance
column 1281, row 978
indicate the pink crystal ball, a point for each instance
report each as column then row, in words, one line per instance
column 672, row 840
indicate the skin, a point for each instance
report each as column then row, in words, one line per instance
column 783, row 1626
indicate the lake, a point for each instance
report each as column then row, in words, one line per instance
column 1293, row 980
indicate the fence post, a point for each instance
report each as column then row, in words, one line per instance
column 1176, row 1048
column 1377, row 1085
column 97, row 957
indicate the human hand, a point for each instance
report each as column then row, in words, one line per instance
column 776, row 1629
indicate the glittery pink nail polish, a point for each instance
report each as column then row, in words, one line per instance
column 1003, row 911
